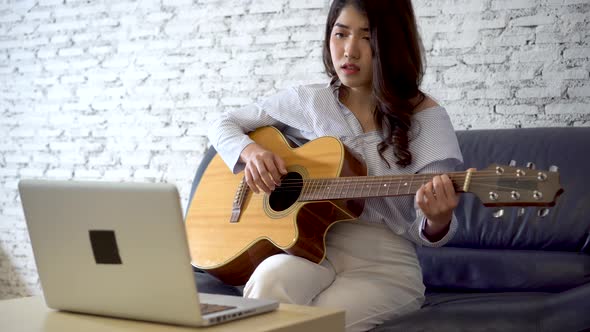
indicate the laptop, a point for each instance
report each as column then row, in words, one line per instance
column 120, row 250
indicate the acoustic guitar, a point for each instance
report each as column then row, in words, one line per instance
column 231, row 229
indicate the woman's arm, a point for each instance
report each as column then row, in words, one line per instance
column 228, row 134
column 435, row 222
column 437, row 199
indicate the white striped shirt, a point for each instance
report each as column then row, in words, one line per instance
column 311, row 111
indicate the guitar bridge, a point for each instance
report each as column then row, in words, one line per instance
column 238, row 201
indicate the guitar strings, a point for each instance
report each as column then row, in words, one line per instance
column 317, row 188
column 409, row 178
column 352, row 181
column 382, row 179
column 409, row 182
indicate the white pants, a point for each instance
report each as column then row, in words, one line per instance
column 370, row 272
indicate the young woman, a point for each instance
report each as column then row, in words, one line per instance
column 373, row 104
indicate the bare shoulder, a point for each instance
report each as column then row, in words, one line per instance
column 427, row 103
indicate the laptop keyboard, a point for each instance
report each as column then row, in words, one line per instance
column 211, row 308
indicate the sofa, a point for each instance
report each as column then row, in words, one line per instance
column 506, row 269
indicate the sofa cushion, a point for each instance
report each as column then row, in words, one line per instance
column 463, row 269
column 506, row 312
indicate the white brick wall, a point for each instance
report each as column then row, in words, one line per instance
column 122, row 90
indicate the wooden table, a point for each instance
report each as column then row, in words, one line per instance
column 31, row 314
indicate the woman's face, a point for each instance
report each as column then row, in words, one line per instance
column 350, row 49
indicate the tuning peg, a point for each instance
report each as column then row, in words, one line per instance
column 512, row 163
column 498, row 213
column 520, row 212
column 553, row 168
column 543, row 212
column 541, row 176
column 530, row 165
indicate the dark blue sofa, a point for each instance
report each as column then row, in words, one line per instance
column 517, row 272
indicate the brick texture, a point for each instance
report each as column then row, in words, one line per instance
column 122, row 90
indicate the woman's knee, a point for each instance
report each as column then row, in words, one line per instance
column 269, row 278
column 289, row 279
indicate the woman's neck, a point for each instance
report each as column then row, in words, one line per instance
column 362, row 104
column 358, row 98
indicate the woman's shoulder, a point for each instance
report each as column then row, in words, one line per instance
column 430, row 114
column 426, row 104
column 299, row 93
column 316, row 88
column 315, row 93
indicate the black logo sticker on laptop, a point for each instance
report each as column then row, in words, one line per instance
column 104, row 247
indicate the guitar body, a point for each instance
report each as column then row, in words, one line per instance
column 232, row 250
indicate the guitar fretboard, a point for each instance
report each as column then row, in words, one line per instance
column 371, row 186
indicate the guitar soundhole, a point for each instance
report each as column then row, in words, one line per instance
column 285, row 195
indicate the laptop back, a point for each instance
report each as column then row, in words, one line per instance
column 113, row 249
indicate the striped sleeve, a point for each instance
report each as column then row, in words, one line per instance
column 229, row 133
column 436, row 151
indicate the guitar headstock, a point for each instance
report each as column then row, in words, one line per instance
column 508, row 185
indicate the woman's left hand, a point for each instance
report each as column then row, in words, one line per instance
column 437, row 199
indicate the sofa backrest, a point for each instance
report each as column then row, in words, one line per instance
column 567, row 225
column 519, row 251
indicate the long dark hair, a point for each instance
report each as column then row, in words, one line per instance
column 398, row 67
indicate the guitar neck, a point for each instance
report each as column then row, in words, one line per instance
column 358, row 187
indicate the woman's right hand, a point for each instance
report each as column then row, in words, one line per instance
column 263, row 168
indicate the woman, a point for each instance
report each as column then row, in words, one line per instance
column 373, row 104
